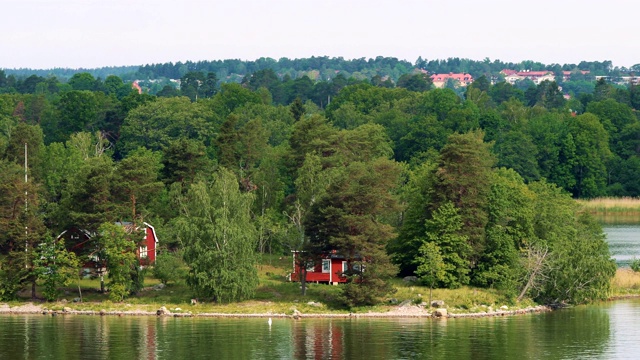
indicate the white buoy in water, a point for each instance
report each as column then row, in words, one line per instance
column 269, row 321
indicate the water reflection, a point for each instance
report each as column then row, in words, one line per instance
column 601, row 331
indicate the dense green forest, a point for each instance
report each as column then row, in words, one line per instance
column 456, row 186
column 323, row 68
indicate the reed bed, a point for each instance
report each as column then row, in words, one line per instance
column 626, row 282
column 611, row 204
column 613, row 211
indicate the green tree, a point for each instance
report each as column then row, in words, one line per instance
column 76, row 111
column 509, row 231
column 443, row 230
column 87, row 200
column 55, row 266
column 219, row 239
column 463, row 177
column 136, row 182
column 155, row 124
column 579, row 265
column 415, row 82
column 83, row 81
column 169, row 267
column 431, row 266
column 118, row 251
column 183, row 160
column 349, row 219
column 417, row 194
column 591, row 155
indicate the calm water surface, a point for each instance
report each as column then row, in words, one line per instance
column 603, row 331
column 624, row 242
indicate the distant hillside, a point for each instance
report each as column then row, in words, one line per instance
column 63, row 74
column 322, row 68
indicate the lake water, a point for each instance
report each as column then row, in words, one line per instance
column 603, row 331
column 624, row 242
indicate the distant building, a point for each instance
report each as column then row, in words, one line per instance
column 621, row 80
column 513, row 76
column 461, row 79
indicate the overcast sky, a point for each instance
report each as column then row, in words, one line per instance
column 95, row 33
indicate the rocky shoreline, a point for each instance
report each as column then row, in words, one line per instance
column 406, row 311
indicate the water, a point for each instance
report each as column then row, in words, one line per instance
column 603, row 331
column 624, row 242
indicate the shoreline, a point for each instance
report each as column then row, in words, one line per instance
column 400, row 312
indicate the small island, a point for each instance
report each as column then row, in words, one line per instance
column 411, row 189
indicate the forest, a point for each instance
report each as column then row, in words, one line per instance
column 457, row 186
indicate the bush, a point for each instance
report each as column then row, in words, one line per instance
column 635, row 265
column 169, row 266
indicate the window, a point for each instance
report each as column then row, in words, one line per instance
column 311, row 267
column 143, row 252
column 326, row 265
column 358, row 267
column 345, row 267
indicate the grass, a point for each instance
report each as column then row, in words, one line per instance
column 626, row 282
column 276, row 295
column 611, row 204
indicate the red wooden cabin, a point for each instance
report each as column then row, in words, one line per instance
column 328, row 269
column 83, row 244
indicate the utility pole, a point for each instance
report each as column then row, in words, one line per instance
column 26, row 208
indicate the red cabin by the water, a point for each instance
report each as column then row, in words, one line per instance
column 327, row 269
column 83, row 244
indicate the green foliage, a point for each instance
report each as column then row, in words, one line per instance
column 118, row 251
column 464, row 178
column 136, row 182
column 56, row 267
column 169, row 267
column 417, row 194
column 635, row 265
column 219, row 239
column 431, row 268
column 12, row 280
column 443, row 230
column 348, row 218
column 155, row 124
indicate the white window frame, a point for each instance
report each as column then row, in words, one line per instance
column 345, row 267
column 326, row 266
column 144, row 251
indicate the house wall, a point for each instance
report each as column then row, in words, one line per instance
column 317, row 275
column 151, row 245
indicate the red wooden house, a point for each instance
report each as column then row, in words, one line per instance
column 84, row 245
column 328, row 269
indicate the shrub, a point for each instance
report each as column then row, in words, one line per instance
column 169, row 266
column 635, row 265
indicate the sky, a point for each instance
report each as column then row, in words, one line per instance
column 43, row 34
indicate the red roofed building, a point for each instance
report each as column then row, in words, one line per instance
column 566, row 75
column 440, row 80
